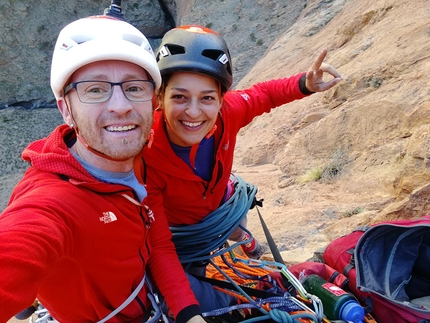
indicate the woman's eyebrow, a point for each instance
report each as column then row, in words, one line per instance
column 180, row 89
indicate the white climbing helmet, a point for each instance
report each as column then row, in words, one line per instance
column 99, row 38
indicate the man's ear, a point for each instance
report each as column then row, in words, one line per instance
column 64, row 110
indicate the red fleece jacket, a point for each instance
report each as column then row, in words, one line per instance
column 82, row 246
column 173, row 188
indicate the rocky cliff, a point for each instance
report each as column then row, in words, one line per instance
column 358, row 153
column 29, row 31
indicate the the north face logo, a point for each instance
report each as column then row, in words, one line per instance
column 108, row 217
column 245, row 96
column 226, row 146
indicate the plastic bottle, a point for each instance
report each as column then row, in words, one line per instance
column 338, row 304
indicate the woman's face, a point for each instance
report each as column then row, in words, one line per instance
column 191, row 103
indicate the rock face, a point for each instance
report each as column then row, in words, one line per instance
column 372, row 130
column 248, row 26
column 29, row 31
column 357, row 154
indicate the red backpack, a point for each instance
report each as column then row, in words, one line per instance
column 388, row 266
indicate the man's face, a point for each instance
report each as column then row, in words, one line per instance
column 118, row 127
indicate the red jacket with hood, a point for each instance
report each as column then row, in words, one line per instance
column 173, row 188
column 82, row 246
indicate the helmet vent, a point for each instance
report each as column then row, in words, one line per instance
column 213, row 54
column 175, row 49
column 133, row 39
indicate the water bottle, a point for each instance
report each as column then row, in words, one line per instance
column 338, row 304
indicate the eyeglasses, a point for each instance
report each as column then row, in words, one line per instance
column 101, row 91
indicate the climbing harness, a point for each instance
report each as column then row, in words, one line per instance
column 282, row 301
column 126, row 302
column 42, row 315
column 157, row 314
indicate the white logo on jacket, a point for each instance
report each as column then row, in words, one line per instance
column 245, row 96
column 108, row 217
column 226, row 146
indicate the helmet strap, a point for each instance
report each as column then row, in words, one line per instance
column 193, row 153
column 96, row 152
column 210, row 133
column 195, row 147
column 150, row 138
column 84, row 142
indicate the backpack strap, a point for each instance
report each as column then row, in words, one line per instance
column 351, row 264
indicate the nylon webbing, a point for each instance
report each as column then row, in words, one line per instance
column 126, row 302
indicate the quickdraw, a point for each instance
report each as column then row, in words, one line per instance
column 273, row 303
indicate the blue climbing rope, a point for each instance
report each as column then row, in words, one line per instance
column 197, row 242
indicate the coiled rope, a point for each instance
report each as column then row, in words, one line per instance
column 198, row 242
column 279, row 309
column 202, row 242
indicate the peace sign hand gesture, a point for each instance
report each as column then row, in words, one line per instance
column 314, row 76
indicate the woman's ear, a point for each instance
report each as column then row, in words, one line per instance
column 221, row 100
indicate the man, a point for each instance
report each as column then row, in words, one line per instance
column 76, row 233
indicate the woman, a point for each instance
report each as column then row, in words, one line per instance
column 189, row 165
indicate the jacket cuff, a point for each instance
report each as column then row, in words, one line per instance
column 302, row 85
column 187, row 313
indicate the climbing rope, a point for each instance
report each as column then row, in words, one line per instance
column 282, row 308
column 206, row 241
column 198, row 242
column 242, row 272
